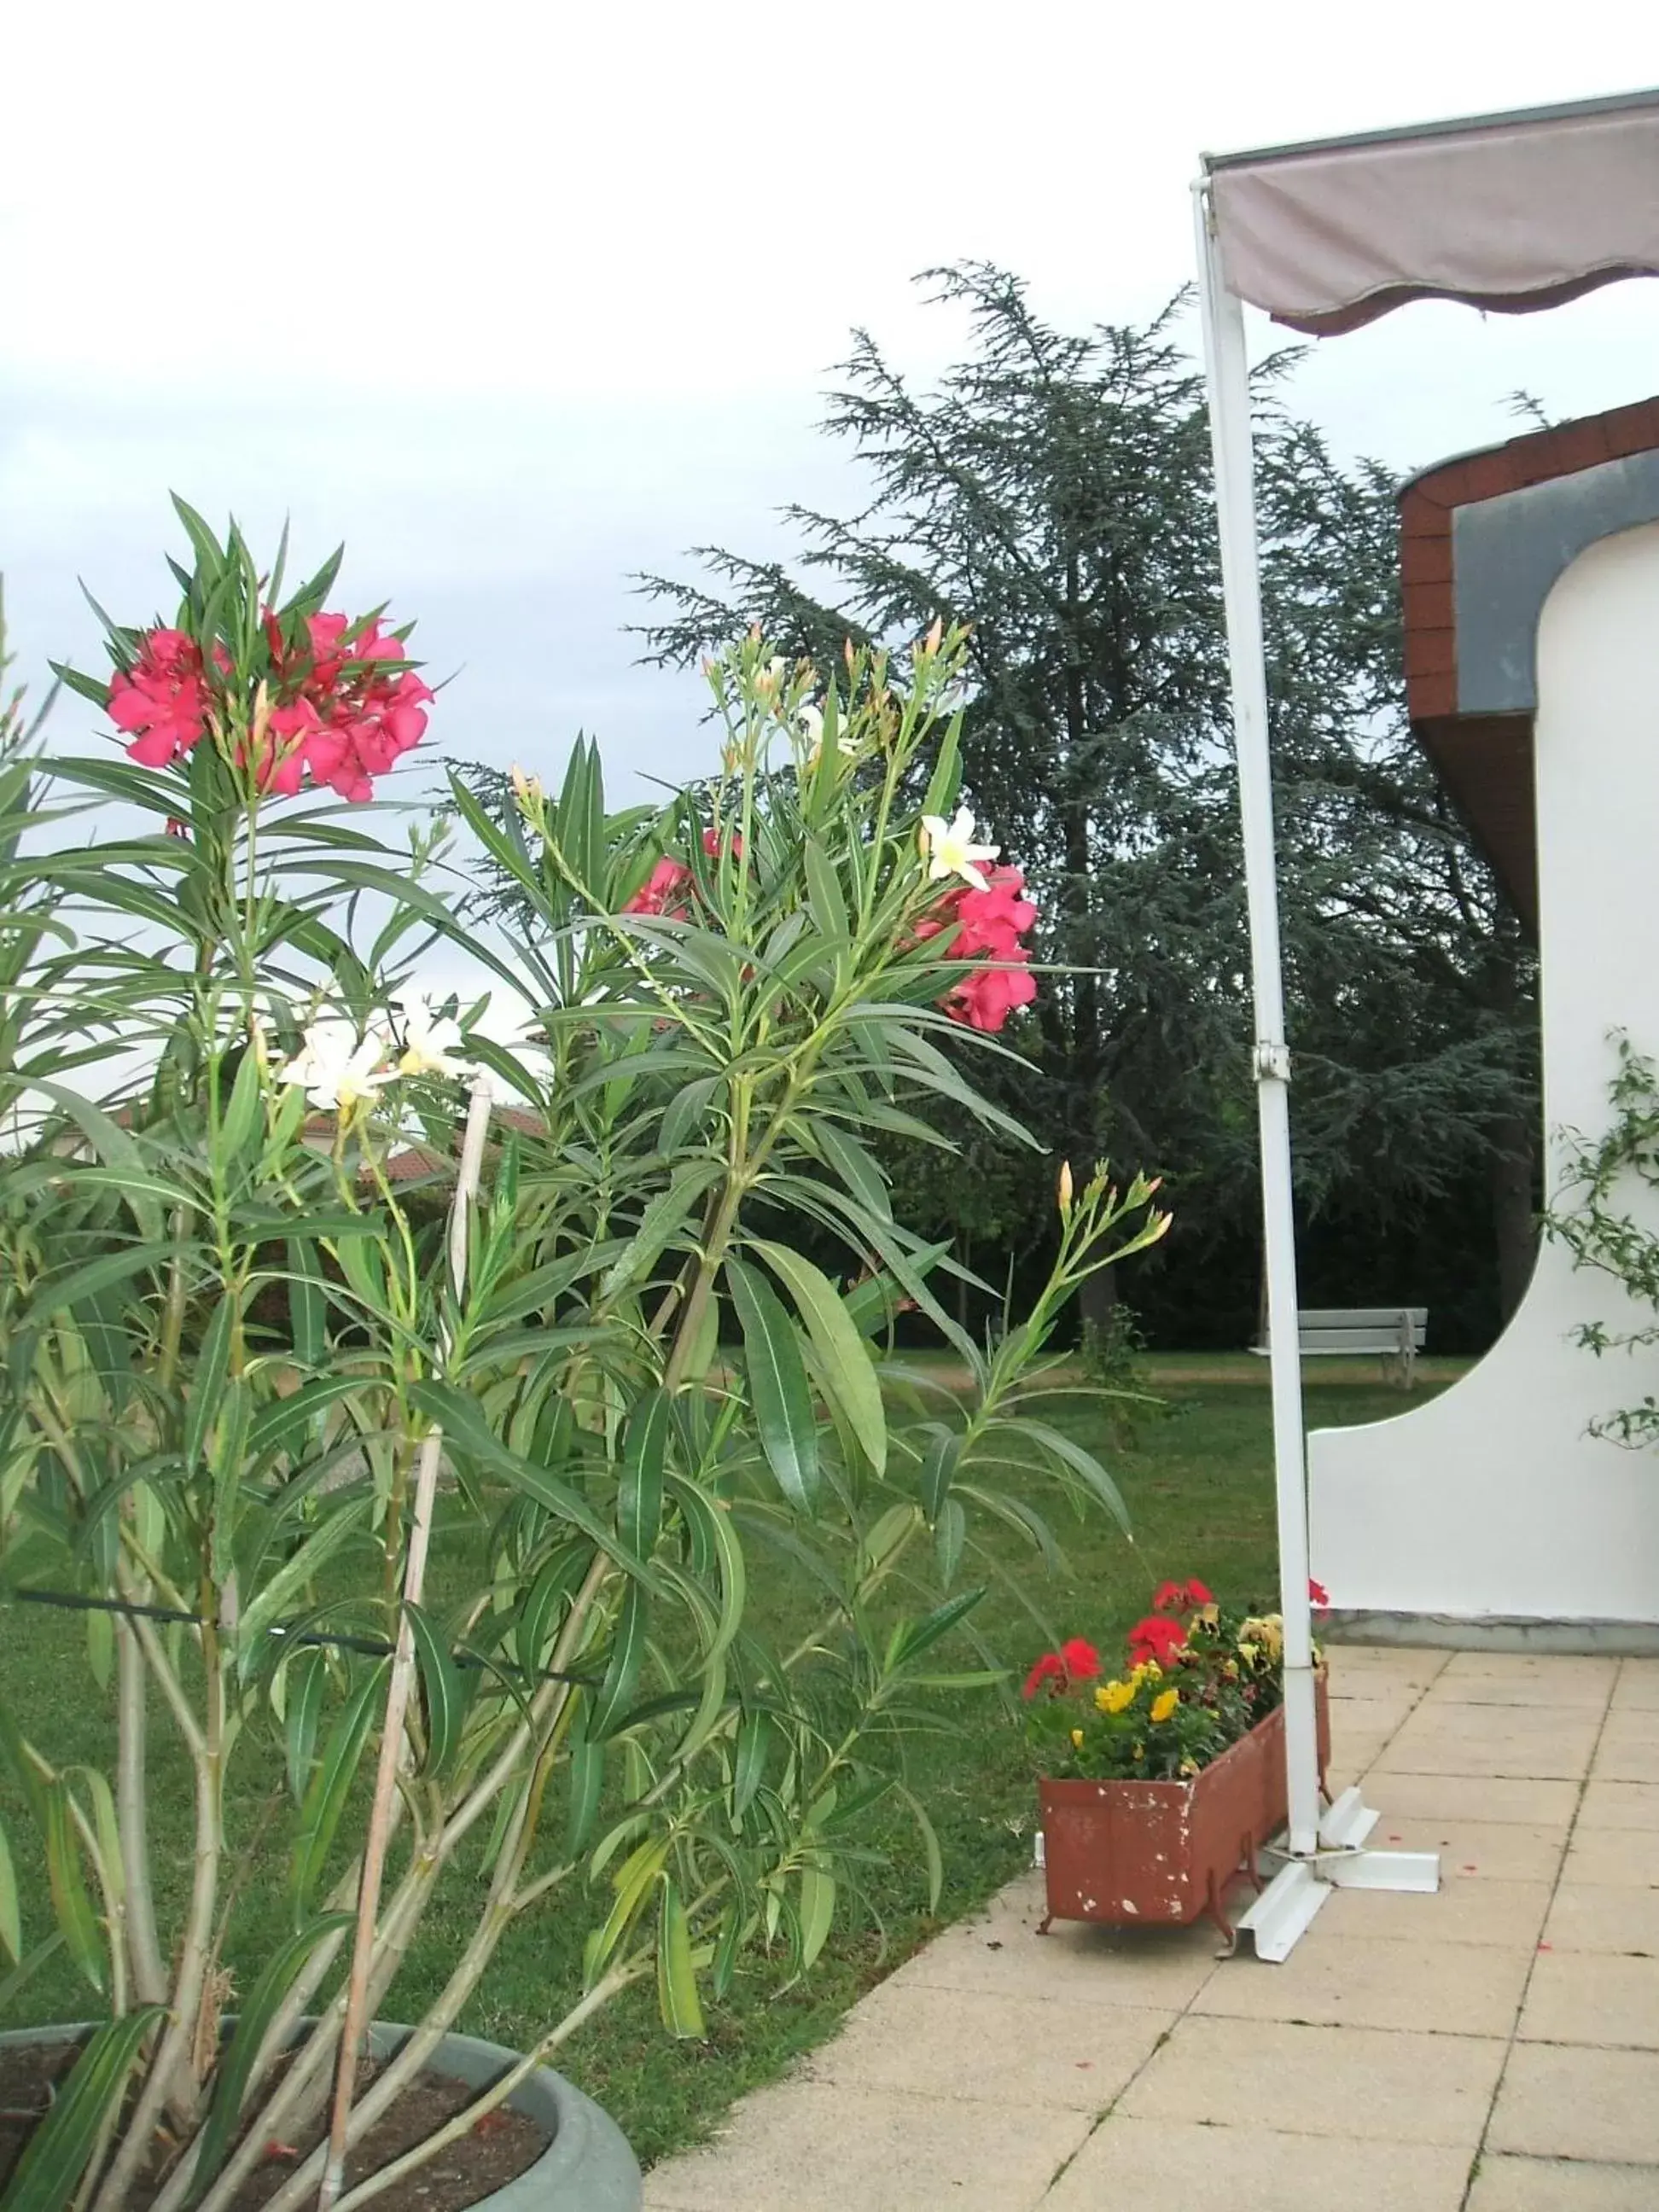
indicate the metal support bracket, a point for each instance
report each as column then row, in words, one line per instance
column 1274, row 1060
column 1347, row 1822
column 1281, row 1915
column 1418, row 1871
column 1285, row 1909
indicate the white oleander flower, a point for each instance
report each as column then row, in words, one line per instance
column 431, row 1042
column 337, row 1069
column 951, row 851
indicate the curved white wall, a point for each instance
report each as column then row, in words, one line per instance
column 1491, row 1500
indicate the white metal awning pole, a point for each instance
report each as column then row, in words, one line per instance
column 1227, row 368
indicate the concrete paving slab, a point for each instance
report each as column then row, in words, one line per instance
column 1467, row 1797
column 1396, row 1664
column 1354, row 1718
column 1596, row 1997
column 993, row 2050
column 1365, row 1981
column 1629, row 1748
column 1596, row 1917
column 1638, row 1687
column 1253, row 2169
column 1554, row 2185
column 817, row 2147
column 1562, row 2101
column 1506, row 1913
column 1552, row 1744
column 1365, row 2083
column 1620, row 1805
column 1351, row 1762
column 1527, row 1678
column 1000, row 1953
column 1495, row 1850
column 1622, row 1856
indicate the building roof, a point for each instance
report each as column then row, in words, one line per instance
column 1484, row 538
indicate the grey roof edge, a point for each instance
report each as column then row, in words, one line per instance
column 1446, row 127
column 1508, row 554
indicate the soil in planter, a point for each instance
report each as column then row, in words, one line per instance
column 497, row 2150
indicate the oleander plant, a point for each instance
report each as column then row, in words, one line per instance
column 408, row 1383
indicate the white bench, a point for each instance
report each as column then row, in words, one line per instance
column 1393, row 1334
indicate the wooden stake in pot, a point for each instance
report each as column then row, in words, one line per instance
column 397, row 1690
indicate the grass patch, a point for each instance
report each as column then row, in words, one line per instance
column 1199, row 1487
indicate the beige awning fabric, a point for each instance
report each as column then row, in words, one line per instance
column 1510, row 213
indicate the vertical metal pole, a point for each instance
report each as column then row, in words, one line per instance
column 1227, row 371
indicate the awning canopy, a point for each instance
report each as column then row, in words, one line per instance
column 1505, row 212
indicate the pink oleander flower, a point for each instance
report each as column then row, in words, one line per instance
column 990, row 924
column 342, row 717
column 663, row 891
column 162, row 702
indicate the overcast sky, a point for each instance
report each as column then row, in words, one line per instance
column 520, row 299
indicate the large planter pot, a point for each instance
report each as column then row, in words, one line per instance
column 1139, row 1854
column 586, row 2167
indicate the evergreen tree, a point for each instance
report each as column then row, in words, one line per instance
column 1054, row 492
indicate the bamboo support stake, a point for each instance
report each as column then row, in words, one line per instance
column 397, row 1690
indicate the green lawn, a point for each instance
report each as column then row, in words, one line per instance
column 1198, row 1483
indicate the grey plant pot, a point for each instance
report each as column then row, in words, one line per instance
column 586, row 2167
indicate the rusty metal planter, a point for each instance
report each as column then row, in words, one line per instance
column 1140, row 1854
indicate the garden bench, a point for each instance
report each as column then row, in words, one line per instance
column 1394, row 1333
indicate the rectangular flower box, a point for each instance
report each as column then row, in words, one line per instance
column 1138, row 1854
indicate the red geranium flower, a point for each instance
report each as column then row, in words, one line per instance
column 1051, row 1667
column 1077, row 1661
column 1180, row 1597
column 1156, row 1638
column 1317, row 1593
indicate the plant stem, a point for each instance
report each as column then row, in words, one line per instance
column 498, row 2092
column 149, row 1978
column 179, row 2035
column 398, row 1691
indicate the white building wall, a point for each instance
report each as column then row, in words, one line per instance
column 1491, row 1500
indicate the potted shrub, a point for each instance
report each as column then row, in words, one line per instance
column 409, row 1454
column 1159, row 1783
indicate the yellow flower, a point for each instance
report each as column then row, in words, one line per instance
column 1077, row 1739
column 1266, row 1629
column 1114, row 1697
column 1164, row 1705
column 1230, row 1670
column 1189, row 1766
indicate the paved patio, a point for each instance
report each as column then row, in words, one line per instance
column 1494, row 2048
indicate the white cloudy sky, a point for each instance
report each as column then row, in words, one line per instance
column 519, row 299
